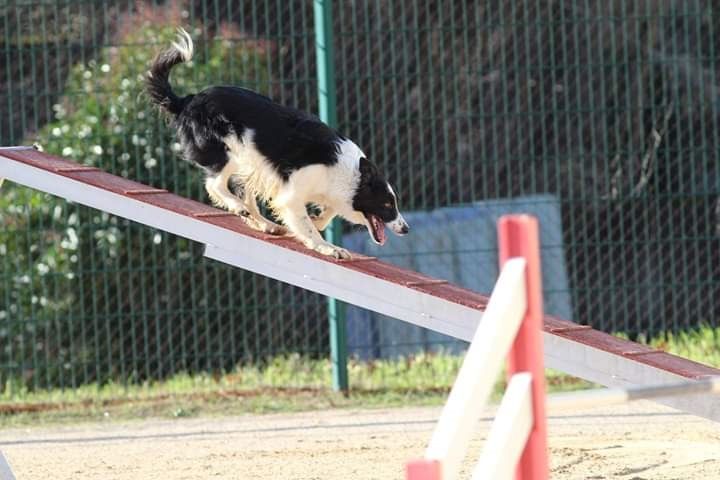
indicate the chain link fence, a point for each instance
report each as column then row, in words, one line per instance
column 610, row 109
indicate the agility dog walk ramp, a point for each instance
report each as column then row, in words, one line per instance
column 363, row 281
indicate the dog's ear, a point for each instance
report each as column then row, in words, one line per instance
column 367, row 168
column 369, row 175
column 372, row 180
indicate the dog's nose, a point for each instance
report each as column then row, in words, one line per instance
column 399, row 226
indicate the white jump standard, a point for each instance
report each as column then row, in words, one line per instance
column 510, row 326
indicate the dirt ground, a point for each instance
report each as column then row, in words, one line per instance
column 634, row 442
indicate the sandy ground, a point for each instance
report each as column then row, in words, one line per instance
column 639, row 441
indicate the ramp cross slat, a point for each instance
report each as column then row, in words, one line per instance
column 403, row 294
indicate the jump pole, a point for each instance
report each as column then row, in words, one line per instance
column 603, row 397
column 519, row 236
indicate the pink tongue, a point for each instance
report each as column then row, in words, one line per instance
column 379, row 227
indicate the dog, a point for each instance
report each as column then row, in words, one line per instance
column 281, row 155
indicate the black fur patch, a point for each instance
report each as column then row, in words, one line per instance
column 288, row 138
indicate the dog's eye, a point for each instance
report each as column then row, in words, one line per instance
column 387, row 205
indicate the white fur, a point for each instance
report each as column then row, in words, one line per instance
column 257, row 177
column 399, row 225
column 184, row 45
column 255, row 172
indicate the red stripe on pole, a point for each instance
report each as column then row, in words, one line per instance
column 423, row 470
column 518, row 236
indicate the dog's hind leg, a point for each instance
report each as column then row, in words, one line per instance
column 239, row 201
column 299, row 223
column 262, row 223
column 217, row 188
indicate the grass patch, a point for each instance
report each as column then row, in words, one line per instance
column 701, row 345
column 283, row 384
column 287, row 384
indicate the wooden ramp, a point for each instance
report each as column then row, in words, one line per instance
column 363, row 281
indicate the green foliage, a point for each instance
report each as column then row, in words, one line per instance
column 70, row 253
column 701, row 344
column 105, row 118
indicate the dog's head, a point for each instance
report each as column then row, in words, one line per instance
column 375, row 204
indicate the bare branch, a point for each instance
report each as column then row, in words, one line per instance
column 647, row 165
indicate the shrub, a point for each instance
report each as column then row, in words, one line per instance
column 86, row 262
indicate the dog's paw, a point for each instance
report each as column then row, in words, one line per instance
column 252, row 223
column 265, row 226
column 274, row 229
column 333, row 251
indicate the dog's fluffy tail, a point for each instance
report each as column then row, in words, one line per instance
column 157, row 81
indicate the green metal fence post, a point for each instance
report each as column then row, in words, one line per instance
column 328, row 114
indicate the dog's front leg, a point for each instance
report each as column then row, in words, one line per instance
column 295, row 217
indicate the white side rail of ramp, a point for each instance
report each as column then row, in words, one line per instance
column 363, row 281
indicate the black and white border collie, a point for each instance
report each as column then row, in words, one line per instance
column 286, row 157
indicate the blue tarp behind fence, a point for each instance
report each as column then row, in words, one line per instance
column 458, row 244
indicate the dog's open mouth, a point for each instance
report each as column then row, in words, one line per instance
column 376, row 227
